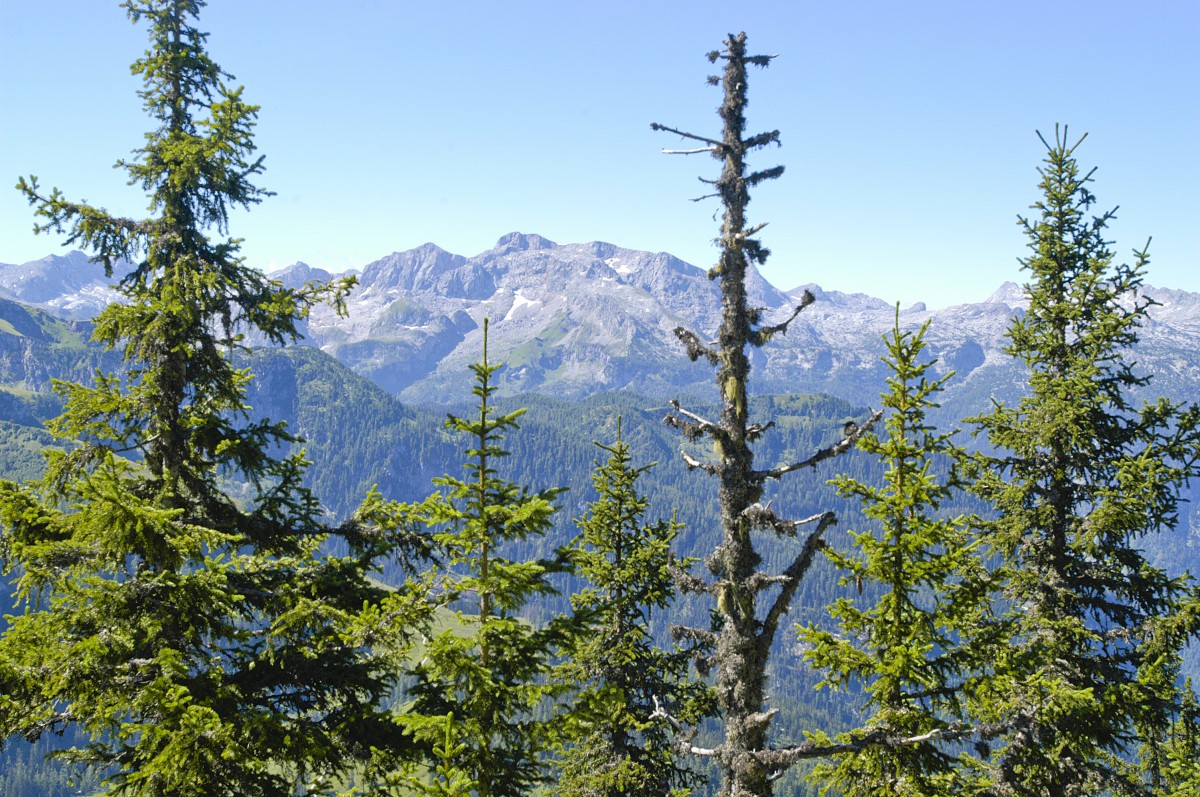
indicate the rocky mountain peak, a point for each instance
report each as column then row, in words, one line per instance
column 41, row 281
column 827, row 301
column 298, row 274
column 521, row 242
column 578, row 318
column 416, row 270
column 1010, row 294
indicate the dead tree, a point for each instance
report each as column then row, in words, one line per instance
column 750, row 603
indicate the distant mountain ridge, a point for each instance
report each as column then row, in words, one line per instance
column 573, row 320
column 69, row 285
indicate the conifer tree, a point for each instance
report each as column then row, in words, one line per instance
column 624, row 751
column 750, row 603
column 1181, row 773
column 489, row 674
column 909, row 647
column 201, row 641
column 1081, row 476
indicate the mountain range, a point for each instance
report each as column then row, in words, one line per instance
column 573, row 320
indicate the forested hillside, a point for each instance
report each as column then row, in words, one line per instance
column 357, row 436
column 236, row 566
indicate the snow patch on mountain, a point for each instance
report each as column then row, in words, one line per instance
column 520, row 301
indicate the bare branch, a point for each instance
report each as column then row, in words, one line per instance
column 661, row 713
column 689, row 430
column 744, row 234
column 695, row 349
column 696, row 151
column 760, row 336
column 762, row 717
column 953, row 732
column 793, row 575
column 695, row 464
column 695, row 426
column 760, row 581
column 756, row 430
column 840, row 447
column 713, row 143
column 763, row 517
column 700, row 421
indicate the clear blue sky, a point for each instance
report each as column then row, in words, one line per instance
column 907, row 127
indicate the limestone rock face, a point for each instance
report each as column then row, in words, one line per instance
column 572, row 320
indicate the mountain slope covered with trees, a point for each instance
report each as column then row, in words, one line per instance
column 201, row 602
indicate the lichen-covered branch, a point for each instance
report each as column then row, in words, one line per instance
column 840, row 447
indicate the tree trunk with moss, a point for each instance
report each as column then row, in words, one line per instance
column 750, row 603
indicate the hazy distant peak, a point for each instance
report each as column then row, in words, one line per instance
column 520, row 242
column 831, row 299
column 299, row 273
column 46, row 279
column 1010, row 294
column 413, row 270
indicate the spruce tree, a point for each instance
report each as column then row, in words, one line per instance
column 198, row 638
column 750, row 603
column 1181, row 770
column 489, row 672
column 626, row 680
column 908, row 643
column 1079, row 479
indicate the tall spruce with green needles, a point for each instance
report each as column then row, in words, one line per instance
column 199, row 639
column 907, row 639
column 1080, row 477
column 483, row 683
column 626, row 681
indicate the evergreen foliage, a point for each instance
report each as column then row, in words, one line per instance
column 750, row 602
column 481, row 689
column 201, row 643
column 922, row 593
column 625, row 747
column 1080, row 479
column 1181, row 771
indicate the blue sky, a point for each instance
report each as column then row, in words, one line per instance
column 907, row 127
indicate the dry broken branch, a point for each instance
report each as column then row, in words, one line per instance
column 840, row 447
column 761, row 336
column 713, row 144
column 793, row 575
column 695, row 349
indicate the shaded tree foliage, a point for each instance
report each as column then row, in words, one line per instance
column 626, row 680
column 481, row 688
column 200, row 641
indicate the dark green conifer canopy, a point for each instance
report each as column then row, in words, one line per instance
column 175, row 606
